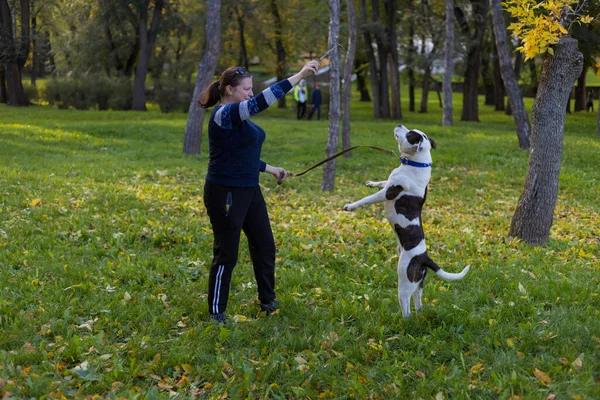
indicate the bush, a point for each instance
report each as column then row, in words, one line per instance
column 93, row 90
column 173, row 95
column 31, row 92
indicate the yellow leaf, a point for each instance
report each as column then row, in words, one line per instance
column 542, row 377
column 587, row 19
column 550, row 51
column 477, row 368
column 187, row 368
column 240, row 318
column 35, row 203
column 362, row 380
column 510, row 342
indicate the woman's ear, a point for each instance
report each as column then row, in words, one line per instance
column 229, row 90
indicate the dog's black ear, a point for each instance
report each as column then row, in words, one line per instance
column 432, row 143
column 413, row 137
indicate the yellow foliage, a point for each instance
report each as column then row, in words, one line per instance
column 538, row 24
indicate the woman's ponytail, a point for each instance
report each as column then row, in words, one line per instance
column 210, row 96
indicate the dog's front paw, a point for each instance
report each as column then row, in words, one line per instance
column 350, row 207
column 371, row 184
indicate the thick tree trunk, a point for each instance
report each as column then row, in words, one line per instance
column 281, row 68
column 373, row 72
column 534, row 213
column 147, row 44
column 581, row 91
column 509, row 77
column 206, row 70
column 394, row 73
column 334, row 96
column 425, row 95
column 351, row 52
column 448, row 63
column 15, row 95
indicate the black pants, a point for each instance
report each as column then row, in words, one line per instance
column 247, row 211
column 312, row 111
column 300, row 110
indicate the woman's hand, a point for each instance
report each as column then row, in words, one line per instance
column 279, row 173
column 310, row 67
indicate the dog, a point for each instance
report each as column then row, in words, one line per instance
column 404, row 194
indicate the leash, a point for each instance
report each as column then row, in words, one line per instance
column 279, row 182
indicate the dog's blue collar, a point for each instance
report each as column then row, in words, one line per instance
column 414, row 163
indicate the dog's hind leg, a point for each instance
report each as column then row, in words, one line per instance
column 416, row 296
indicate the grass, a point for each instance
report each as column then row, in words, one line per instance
column 105, row 249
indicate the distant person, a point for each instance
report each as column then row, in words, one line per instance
column 316, row 102
column 590, row 102
column 300, row 96
column 232, row 196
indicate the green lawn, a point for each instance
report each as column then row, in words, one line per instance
column 105, row 248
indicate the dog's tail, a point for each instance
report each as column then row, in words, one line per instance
column 447, row 276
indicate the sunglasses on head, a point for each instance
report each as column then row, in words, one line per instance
column 241, row 71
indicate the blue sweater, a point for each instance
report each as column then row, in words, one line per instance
column 235, row 142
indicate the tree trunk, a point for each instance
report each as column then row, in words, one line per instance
column 34, row 50
column 334, row 96
column 383, row 49
column 534, row 213
column 410, row 59
column 147, row 44
column 111, row 47
column 509, row 77
column 281, row 69
column 394, row 74
column 487, row 78
column 448, row 63
column 206, row 70
column 348, row 67
column 470, row 110
column 241, row 21
column 373, row 72
column 24, row 43
column 15, row 95
column 598, row 124
column 518, row 65
column 3, row 92
column 361, row 84
column 499, row 90
column 426, row 81
column 580, row 91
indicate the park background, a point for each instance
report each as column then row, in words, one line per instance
column 105, row 245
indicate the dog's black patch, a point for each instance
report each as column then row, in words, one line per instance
column 409, row 237
column 417, row 268
column 432, row 143
column 393, row 192
column 409, row 206
column 413, row 137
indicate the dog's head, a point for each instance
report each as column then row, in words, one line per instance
column 412, row 141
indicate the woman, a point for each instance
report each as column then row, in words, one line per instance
column 232, row 195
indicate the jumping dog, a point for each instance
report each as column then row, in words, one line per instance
column 404, row 194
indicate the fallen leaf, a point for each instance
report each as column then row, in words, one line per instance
column 420, row 374
column 522, row 289
column 551, row 396
column 477, row 368
column 577, row 364
column 240, row 318
column 542, row 377
column 564, row 361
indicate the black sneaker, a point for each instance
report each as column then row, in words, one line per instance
column 270, row 307
column 219, row 318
